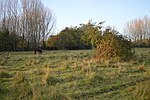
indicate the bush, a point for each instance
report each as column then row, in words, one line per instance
column 114, row 47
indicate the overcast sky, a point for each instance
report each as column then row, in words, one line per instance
column 115, row 12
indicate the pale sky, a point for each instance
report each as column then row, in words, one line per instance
column 115, row 12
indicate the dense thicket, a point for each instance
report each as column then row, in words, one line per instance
column 83, row 37
column 28, row 24
column 68, row 39
column 8, row 41
column 106, row 42
column 114, row 47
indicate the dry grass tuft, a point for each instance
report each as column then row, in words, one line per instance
column 21, row 87
column 112, row 75
column 4, row 74
column 142, row 90
column 48, row 78
column 33, row 62
column 3, row 62
column 57, row 94
column 92, row 78
column 19, row 78
column 140, row 68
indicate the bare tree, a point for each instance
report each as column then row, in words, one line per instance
column 28, row 19
column 39, row 21
column 138, row 30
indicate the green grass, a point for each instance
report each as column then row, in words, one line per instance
column 67, row 75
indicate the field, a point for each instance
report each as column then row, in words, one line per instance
column 67, row 75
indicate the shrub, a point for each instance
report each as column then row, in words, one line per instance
column 114, row 47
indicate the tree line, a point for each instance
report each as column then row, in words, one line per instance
column 86, row 36
column 28, row 24
column 24, row 24
column 107, row 43
column 83, row 37
column 138, row 30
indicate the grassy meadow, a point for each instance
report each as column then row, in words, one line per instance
column 67, row 75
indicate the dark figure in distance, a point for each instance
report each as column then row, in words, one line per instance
column 38, row 50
